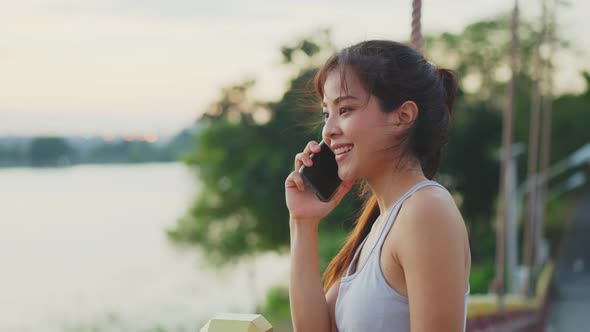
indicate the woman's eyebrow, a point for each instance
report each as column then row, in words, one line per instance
column 339, row 99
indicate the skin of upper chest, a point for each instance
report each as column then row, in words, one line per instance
column 392, row 270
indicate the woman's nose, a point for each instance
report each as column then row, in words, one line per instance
column 331, row 129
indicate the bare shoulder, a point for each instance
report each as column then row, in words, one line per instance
column 433, row 250
column 430, row 222
column 432, row 208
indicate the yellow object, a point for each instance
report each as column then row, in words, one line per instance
column 486, row 304
column 237, row 323
column 478, row 305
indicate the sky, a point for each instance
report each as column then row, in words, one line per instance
column 114, row 67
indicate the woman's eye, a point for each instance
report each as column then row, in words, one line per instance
column 325, row 115
column 344, row 110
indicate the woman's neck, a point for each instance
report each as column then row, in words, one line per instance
column 390, row 185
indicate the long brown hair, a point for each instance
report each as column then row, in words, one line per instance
column 394, row 73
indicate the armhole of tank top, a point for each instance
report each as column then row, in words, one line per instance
column 380, row 247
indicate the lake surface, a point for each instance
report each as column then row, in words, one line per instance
column 84, row 249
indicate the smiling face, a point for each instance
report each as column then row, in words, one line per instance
column 361, row 135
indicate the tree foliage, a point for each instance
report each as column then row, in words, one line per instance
column 571, row 116
column 246, row 148
column 243, row 155
column 50, row 151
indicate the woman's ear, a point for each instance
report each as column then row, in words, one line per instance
column 405, row 115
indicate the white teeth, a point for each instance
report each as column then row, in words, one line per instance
column 343, row 149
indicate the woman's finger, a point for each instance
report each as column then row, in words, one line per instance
column 304, row 158
column 295, row 180
column 312, row 147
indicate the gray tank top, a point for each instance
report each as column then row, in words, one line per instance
column 365, row 300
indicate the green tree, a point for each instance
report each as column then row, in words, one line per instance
column 14, row 155
column 479, row 54
column 245, row 149
column 243, row 155
column 480, row 57
column 50, row 151
column 571, row 116
column 471, row 171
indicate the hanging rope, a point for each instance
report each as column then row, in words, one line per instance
column 416, row 36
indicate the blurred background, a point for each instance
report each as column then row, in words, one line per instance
column 144, row 147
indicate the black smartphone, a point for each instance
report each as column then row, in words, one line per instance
column 322, row 176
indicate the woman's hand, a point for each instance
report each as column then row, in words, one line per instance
column 302, row 202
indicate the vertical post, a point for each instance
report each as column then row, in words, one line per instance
column 531, row 221
column 505, row 193
column 512, row 227
column 547, row 110
column 416, row 36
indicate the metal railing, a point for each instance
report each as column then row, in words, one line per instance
column 521, row 314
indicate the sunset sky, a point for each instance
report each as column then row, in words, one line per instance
column 128, row 66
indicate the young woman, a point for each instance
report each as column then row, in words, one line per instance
column 405, row 265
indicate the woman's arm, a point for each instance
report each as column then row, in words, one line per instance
column 432, row 251
column 309, row 308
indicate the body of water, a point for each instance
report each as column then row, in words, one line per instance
column 84, row 249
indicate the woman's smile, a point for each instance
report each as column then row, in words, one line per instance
column 342, row 150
